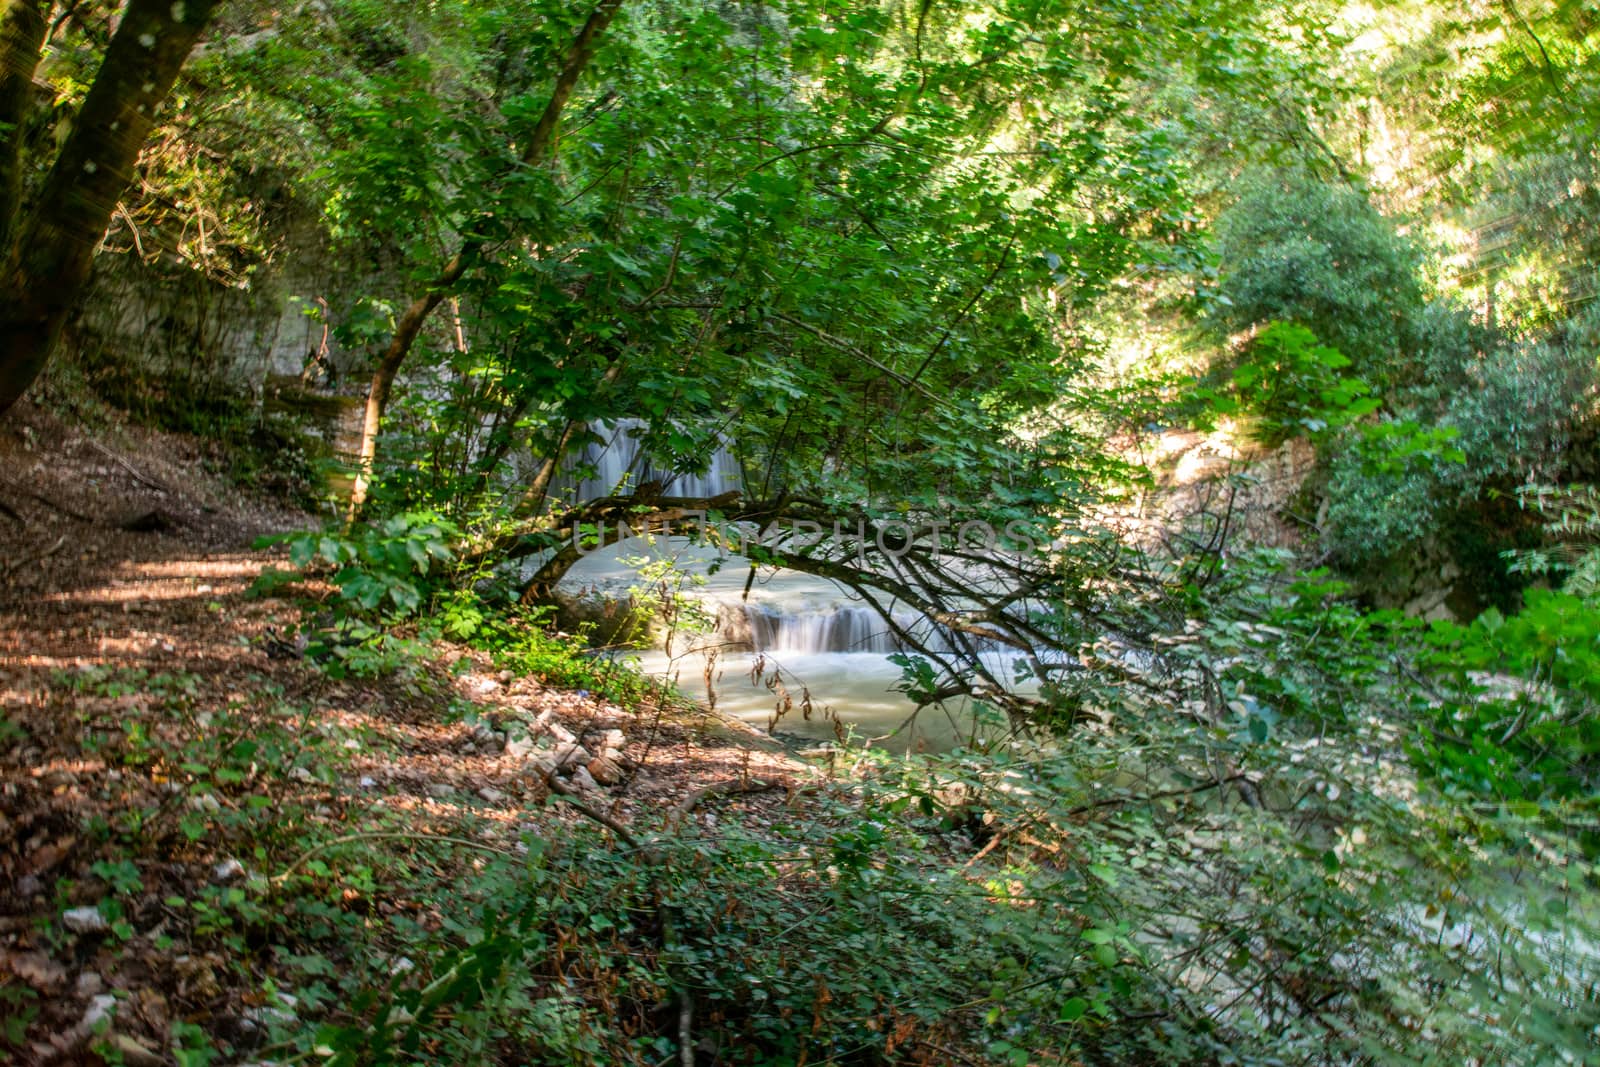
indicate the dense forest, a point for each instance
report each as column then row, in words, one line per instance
column 800, row 532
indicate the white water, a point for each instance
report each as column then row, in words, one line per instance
column 816, row 636
column 619, row 463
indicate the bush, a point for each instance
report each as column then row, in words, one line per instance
column 1295, row 249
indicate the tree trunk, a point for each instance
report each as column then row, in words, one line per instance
column 537, row 152
column 22, row 28
column 383, row 375
column 45, row 271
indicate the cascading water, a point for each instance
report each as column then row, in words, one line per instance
column 619, row 460
column 824, row 641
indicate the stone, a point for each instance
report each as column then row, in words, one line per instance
column 29, row 886
column 282, row 1012
column 439, row 790
column 101, row 1007
column 572, row 754
column 522, row 748
column 562, row 735
column 492, row 795
column 605, row 770
column 227, row 871
column 585, row 781
column 615, row 739
column 133, row 1053
column 89, row 984
column 85, row 920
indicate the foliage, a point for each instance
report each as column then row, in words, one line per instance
column 1490, row 422
column 383, row 575
column 1290, row 383
column 1294, row 248
column 1521, row 720
column 527, row 646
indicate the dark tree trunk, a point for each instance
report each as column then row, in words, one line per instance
column 22, row 29
column 48, row 264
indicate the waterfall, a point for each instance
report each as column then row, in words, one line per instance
column 838, row 628
column 618, row 458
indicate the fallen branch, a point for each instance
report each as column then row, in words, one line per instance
column 1110, row 802
column 133, row 471
column 731, row 787
column 17, row 565
column 571, row 795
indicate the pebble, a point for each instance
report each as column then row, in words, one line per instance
column 85, row 920
column 89, row 984
column 227, row 871
column 367, row 782
column 521, row 747
column 29, row 886
column 283, row 1012
column 99, row 1010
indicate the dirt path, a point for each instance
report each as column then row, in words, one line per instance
column 156, row 726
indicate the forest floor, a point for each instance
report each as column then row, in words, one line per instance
column 162, row 744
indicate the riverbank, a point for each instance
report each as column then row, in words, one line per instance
column 174, row 765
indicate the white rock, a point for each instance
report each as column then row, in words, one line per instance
column 367, row 781
column 89, row 984
column 520, row 747
column 491, row 794
column 439, row 790
column 100, row 1008
column 562, row 735
column 85, row 920
column 585, row 781
column 227, row 871
column 613, row 739
column 300, row 774
column 568, row 754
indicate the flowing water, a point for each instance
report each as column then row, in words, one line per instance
column 810, row 636
column 818, row 640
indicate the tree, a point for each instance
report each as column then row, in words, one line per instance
column 47, row 256
column 541, row 143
